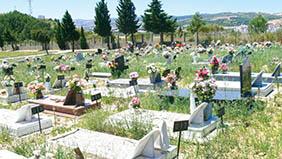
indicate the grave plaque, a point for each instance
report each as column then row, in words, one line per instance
column 96, row 97
column 42, row 67
column 180, row 125
column 18, row 84
column 246, row 78
column 37, row 109
column 72, row 68
column 88, row 66
column 61, row 77
column 133, row 83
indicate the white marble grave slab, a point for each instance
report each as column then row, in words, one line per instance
column 4, row 99
column 194, row 133
column 142, row 83
column 104, row 145
column 7, row 120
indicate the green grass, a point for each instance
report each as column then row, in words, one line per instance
column 17, row 54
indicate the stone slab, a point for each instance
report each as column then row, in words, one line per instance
column 143, row 84
column 4, row 99
column 112, row 92
column 194, row 133
column 100, row 75
column 5, row 154
column 104, row 145
column 55, row 103
column 235, row 76
column 7, row 120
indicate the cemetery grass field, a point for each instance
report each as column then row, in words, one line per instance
column 18, row 53
column 253, row 131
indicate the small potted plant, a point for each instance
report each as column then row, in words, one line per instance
column 134, row 76
column 75, row 94
column 153, row 71
column 36, row 89
column 171, row 81
column 224, row 68
column 214, row 62
column 135, row 103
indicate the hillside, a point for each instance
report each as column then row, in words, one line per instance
column 224, row 19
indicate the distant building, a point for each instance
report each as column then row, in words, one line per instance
column 41, row 17
column 241, row 28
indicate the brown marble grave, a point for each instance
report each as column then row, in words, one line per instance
column 57, row 104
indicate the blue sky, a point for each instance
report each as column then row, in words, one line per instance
column 84, row 9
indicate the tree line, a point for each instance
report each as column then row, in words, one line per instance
column 16, row 27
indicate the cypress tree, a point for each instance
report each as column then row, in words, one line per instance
column 59, row 35
column 71, row 35
column 157, row 21
column 127, row 21
column 102, row 21
column 83, row 41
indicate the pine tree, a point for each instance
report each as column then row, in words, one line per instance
column 59, row 35
column 83, row 41
column 102, row 21
column 197, row 23
column 157, row 21
column 127, row 21
column 70, row 32
column 258, row 25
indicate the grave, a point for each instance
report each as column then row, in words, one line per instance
column 197, row 131
column 15, row 94
column 274, row 77
column 144, row 84
column 100, row 75
column 22, row 121
column 54, row 103
column 112, row 92
column 155, row 145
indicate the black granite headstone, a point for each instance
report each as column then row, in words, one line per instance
column 120, row 60
column 246, row 78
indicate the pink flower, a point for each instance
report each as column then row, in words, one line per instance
column 134, row 75
column 135, row 101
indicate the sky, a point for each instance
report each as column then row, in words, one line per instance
column 84, row 9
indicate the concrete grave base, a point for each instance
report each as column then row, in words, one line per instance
column 144, row 84
column 7, row 121
column 195, row 132
column 12, row 99
column 104, row 145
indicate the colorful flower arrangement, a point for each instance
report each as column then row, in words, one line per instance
column 8, row 81
column 171, row 79
column 112, row 65
column 36, row 89
column 152, row 68
column 204, row 89
column 105, row 57
column 202, row 74
column 62, row 68
column 224, row 67
column 214, row 63
column 134, row 75
column 135, row 103
column 77, row 84
column 7, row 68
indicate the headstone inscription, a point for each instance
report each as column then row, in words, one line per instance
column 246, row 78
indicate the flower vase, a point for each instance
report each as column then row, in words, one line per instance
column 208, row 112
column 79, row 99
column 153, row 77
column 214, row 69
column 10, row 91
column 39, row 95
